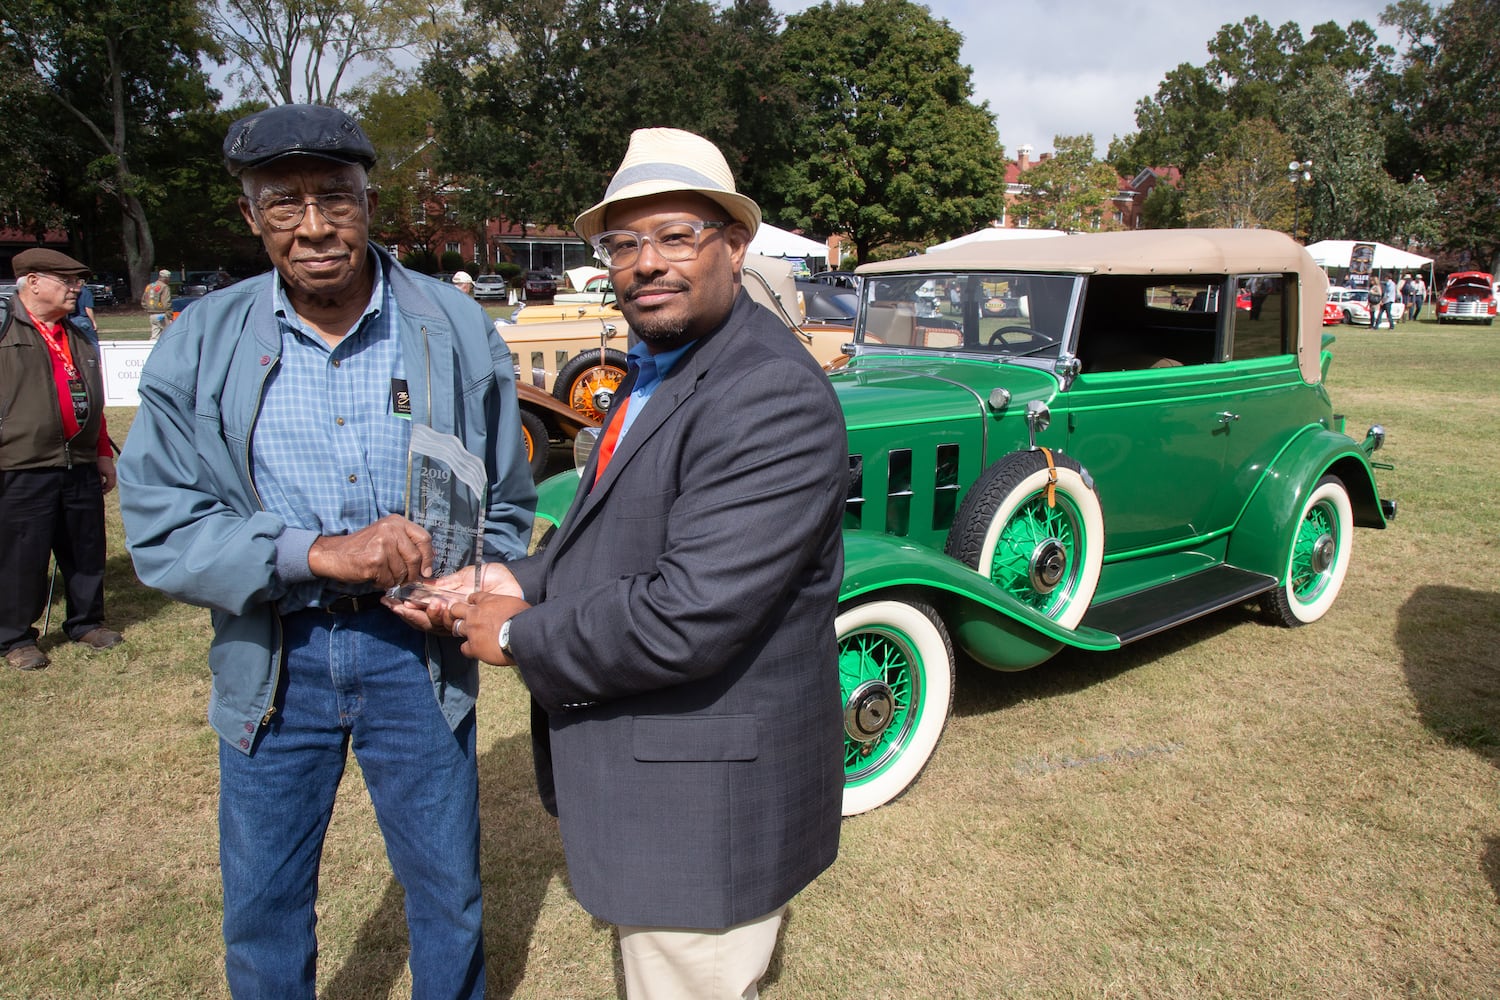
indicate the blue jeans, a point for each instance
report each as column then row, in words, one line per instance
column 355, row 680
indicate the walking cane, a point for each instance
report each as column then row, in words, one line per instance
column 51, row 586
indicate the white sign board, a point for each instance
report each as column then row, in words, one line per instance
column 122, row 361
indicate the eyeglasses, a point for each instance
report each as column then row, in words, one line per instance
column 340, row 208
column 673, row 241
column 71, row 284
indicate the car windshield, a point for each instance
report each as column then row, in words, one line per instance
column 992, row 313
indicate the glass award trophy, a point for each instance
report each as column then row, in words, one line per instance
column 445, row 494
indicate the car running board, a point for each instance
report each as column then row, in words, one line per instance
column 1160, row 608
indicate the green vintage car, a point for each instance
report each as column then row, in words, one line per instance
column 1077, row 441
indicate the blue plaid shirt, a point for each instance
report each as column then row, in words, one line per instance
column 329, row 452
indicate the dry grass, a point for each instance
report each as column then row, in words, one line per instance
column 1230, row 810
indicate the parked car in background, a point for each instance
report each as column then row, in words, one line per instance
column 103, row 291
column 540, row 286
column 1355, row 305
column 1126, row 453
column 491, row 286
column 1333, row 314
column 826, row 303
column 842, row 279
column 596, row 290
column 1468, row 296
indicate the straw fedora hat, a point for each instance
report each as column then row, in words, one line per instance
column 669, row 160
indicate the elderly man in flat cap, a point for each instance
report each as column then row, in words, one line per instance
column 265, row 478
column 677, row 634
column 56, row 461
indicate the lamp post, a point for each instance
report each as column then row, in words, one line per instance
column 1298, row 172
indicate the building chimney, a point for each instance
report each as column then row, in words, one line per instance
column 1023, row 161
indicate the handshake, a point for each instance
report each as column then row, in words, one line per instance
column 471, row 604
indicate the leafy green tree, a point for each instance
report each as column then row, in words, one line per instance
column 1243, row 184
column 890, row 147
column 1070, row 189
column 539, row 96
column 116, row 75
column 1455, row 125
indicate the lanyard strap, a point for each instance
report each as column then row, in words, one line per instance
column 53, row 335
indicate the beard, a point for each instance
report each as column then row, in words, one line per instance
column 661, row 332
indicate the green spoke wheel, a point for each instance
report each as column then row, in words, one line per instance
column 896, row 674
column 1044, row 550
column 1318, row 559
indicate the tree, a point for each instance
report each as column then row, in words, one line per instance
column 1455, row 124
column 117, row 74
column 890, row 147
column 1243, row 184
column 540, row 96
column 1070, row 189
column 306, row 51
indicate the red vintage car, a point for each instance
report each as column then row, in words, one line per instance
column 1469, row 296
column 1333, row 314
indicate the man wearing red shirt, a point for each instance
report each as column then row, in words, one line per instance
column 56, row 462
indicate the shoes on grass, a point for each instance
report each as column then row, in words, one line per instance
column 27, row 658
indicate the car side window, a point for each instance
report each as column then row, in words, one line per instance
column 1263, row 317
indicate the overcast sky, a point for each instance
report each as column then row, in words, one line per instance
column 1069, row 67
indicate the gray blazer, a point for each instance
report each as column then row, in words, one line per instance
column 681, row 656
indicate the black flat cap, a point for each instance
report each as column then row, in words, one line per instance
column 296, row 130
column 40, row 259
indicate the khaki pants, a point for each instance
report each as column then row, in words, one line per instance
column 664, row 963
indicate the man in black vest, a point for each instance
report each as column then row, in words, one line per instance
column 56, row 462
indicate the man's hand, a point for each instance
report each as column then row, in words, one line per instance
column 388, row 553
column 429, row 611
column 478, row 624
column 107, row 472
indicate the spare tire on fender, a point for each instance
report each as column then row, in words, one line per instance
column 1032, row 525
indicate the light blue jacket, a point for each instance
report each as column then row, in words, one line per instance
column 194, row 525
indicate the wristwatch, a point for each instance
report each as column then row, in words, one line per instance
column 505, row 639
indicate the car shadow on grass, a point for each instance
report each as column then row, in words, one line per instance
column 980, row 690
column 1448, row 637
column 520, row 852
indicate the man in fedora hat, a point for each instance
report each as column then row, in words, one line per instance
column 677, row 634
column 266, row 479
column 56, row 460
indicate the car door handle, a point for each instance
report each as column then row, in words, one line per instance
column 1226, row 417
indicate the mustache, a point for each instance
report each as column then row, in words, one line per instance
column 638, row 288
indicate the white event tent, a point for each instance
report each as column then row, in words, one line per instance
column 772, row 242
column 1336, row 253
column 990, row 233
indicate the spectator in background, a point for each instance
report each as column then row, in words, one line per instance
column 157, row 301
column 1418, row 295
column 1387, row 288
column 464, row 282
column 56, row 461
column 83, row 314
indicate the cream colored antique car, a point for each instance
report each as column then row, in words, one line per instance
column 578, row 354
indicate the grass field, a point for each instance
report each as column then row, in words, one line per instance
column 1230, row 810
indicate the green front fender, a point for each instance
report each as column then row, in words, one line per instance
column 992, row 626
column 555, row 495
column 1263, row 532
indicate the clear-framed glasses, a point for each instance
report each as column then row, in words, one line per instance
column 341, row 208
column 673, row 241
column 71, row 284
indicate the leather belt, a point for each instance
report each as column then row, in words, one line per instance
column 351, row 604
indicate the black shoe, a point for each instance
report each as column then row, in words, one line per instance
column 27, row 658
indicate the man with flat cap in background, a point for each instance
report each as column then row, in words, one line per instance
column 677, row 634
column 56, row 460
column 265, row 478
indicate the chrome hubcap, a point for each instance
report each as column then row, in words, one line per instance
column 1049, row 561
column 1324, row 549
column 868, row 711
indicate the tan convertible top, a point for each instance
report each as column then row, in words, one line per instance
column 1147, row 251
